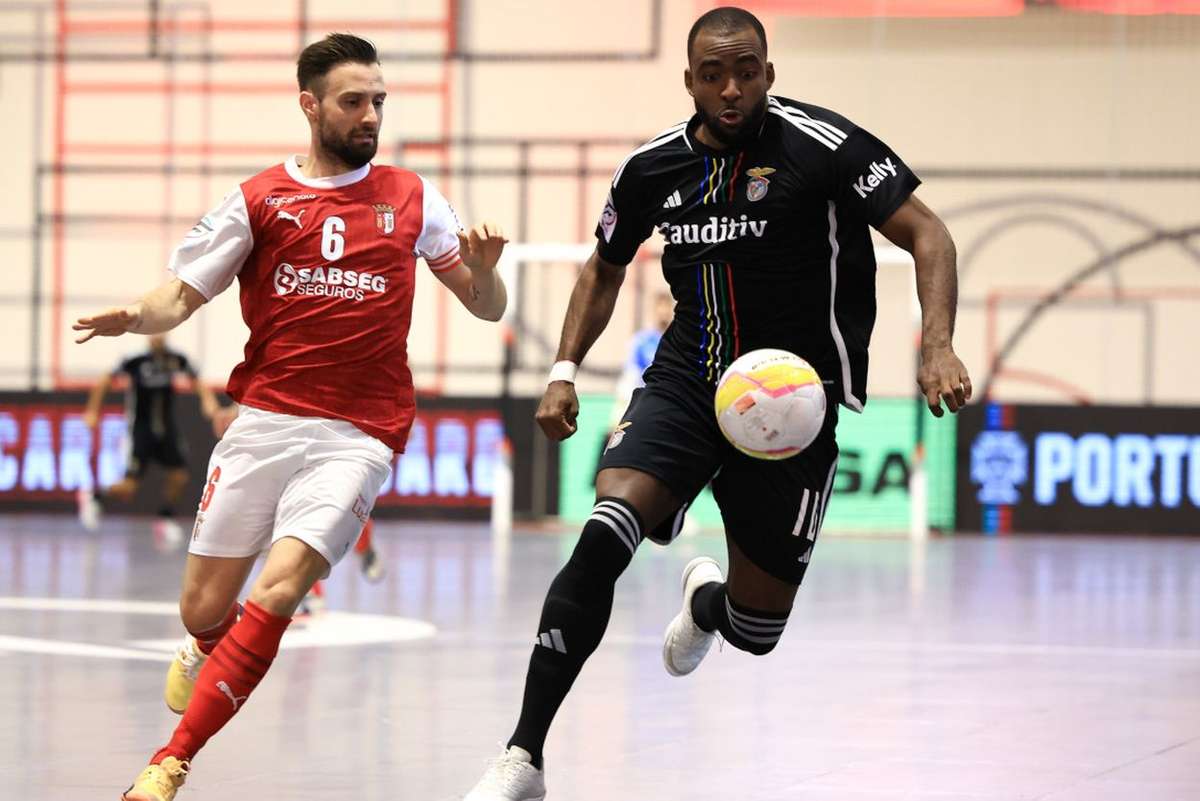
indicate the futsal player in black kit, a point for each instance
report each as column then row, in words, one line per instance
column 153, row 435
column 765, row 206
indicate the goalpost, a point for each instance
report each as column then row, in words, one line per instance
column 519, row 256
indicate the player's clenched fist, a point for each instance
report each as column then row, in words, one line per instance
column 557, row 412
column 480, row 248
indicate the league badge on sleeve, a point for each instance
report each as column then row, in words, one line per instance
column 385, row 218
column 608, row 218
column 757, row 186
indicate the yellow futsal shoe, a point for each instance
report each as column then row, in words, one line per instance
column 181, row 676
column 158, row 782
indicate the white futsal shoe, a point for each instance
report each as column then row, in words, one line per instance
column 89, row 509
column 168, row 535
column 510, row 777
column 685, row 644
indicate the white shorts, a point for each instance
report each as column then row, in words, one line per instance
column 276, row 475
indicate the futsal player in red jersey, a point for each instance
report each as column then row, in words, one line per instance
column 324, row 249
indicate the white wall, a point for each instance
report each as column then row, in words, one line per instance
column 1045, row 91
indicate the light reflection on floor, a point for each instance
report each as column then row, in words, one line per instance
column 1033, row 668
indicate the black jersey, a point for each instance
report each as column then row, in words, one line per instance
column 764, row 246
column 150, row 402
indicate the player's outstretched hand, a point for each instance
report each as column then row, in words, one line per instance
column 110, row 323
column 557, row 412
column 942, row 376
column 480, row 248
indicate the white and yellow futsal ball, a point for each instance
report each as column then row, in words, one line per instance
column 770, row 404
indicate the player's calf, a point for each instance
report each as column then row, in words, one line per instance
column 575, row 616
column 756, row 631
column 226, row 680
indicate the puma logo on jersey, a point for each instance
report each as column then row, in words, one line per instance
column 877, row 174
column 236, row 699
column 287, row 215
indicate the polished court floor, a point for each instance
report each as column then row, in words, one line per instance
column 1065, row 669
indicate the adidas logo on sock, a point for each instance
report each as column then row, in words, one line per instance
column 674, row 201
column 553, row 640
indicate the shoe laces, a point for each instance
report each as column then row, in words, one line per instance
column 190, row 659
column 506, row 770
column 172, row 776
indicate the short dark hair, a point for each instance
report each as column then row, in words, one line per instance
column 727, row 19
column 319, row 58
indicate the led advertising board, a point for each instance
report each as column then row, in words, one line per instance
column 1125, row 469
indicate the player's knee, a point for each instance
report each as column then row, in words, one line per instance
column 201, row 610
column 279, row 597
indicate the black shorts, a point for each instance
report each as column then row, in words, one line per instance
column 772, row 510
column 169, row 450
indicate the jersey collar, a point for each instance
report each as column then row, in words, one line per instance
column 292, row 165
column 689, row 136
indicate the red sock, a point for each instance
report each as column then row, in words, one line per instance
column 364, row 540
column 234, row 669
column 207, row 640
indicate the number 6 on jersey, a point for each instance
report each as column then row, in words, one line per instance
column 333, row 244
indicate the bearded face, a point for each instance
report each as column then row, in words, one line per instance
column 354, row 147
column 349, row 113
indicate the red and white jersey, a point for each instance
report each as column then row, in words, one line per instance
column 326, row 269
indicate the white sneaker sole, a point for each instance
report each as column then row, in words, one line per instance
column 541, row 797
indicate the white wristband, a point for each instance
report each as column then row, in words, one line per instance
column 563, row 371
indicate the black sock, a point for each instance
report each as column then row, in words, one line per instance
column 747, row 629
column 575, row 616
column 166, row 510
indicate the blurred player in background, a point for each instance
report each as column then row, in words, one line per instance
column 153, row 435
column 324, row 249
column 765, row 205
column 641, row 354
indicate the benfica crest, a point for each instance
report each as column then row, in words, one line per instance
column 617, row 435
column 385, row 218
column 757, row 186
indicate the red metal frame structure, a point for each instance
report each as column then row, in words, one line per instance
column 963, row 8
column 74, row 39
column 997, row 370
column 79, row 39
column 155, row 26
